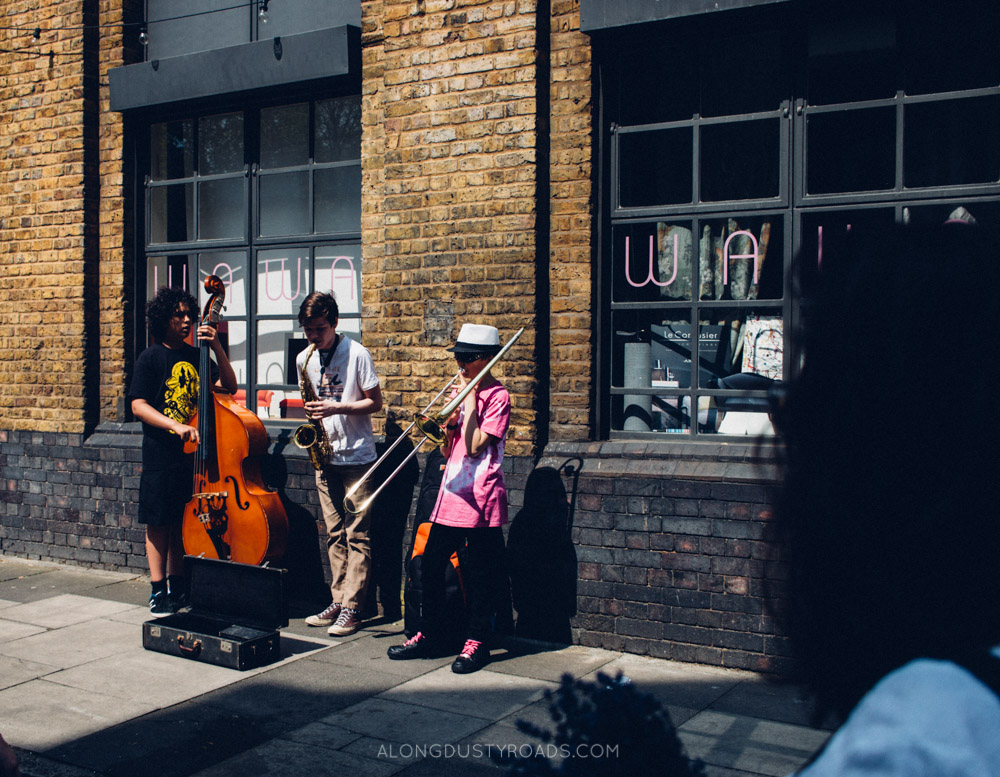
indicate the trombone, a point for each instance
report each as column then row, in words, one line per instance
column 429, row 426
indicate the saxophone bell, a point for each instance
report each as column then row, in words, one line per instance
column 311, row 436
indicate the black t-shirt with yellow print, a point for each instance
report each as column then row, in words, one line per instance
column 167, row 378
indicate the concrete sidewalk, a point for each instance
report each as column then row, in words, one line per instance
column 80, row 697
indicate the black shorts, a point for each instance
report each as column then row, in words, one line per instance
column 163, row 495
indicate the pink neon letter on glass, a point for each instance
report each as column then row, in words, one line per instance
column 350, row 272
column 282, row 294
column 726, row 256
column 652, row 254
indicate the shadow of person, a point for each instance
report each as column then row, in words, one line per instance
column 542, row 560
column 305, row 581
column 389, row 513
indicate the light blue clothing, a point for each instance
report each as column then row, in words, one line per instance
column 928, row 718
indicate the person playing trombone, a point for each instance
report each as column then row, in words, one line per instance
column 471, row 507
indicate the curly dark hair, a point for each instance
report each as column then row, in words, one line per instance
column 161, row 307
column 886, row 521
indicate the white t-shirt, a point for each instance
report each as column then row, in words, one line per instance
column 344, row 376
column 928, row 718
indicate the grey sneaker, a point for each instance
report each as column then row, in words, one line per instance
column 347, row 623
column 326, row 618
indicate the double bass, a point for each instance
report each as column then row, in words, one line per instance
column 233, row 515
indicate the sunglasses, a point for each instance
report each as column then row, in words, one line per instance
column 468, row 358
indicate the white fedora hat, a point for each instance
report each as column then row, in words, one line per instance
column 477, row 338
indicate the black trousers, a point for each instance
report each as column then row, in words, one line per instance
column 482, row 567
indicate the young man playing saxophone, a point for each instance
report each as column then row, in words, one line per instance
column 343, row 377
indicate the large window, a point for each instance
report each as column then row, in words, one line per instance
column 733, row 146
column 269, row 200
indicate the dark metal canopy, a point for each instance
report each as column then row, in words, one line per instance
column 603, row 14
column 273, row 62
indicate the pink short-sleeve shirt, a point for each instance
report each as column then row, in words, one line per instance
column 473, row 494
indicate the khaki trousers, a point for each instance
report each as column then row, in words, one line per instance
column 347, row 543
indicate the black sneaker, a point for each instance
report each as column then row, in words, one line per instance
column 177, row 601
column 417, row 646
column 474, row 656
column 159, row 603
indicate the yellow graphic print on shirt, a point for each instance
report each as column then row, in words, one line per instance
column 181, row 397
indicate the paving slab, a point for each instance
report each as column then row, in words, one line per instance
column 74, row 645
column 49, row 581
column 274, row 757
column 14, row 671
column 371, row 654
column 63, row 610
column 546, row 663
column 11, row 630
column 749, row 744
column 483, row 694
column 401, row 722
column 40, row 715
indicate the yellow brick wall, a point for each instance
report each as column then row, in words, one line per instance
column 51, row 266
column 571, row 198
column 450, row 196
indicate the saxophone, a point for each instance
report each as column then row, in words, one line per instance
column 312, row 435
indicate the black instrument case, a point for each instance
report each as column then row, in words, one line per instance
column 234, row 617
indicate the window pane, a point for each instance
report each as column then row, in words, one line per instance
column 952, row 143
column 639, row 360
column 284, row 204
column 338, row 269
column 220, row 144
column 171, row 271
column 740, row 161
column 741, row 258
column 282, row 281
column 338, row 130
column 171, row 150
column 851, row 151
column 655, row 168
column 171, row 213
column 740, row 348
column 985, row 214
column 821, row 232
column 220, row 209
column 652, row 261
column 233, row 336
column 284, row 136
column 231, row 269
column 338, row 199
column 279, row 341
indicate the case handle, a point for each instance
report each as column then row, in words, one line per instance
column 190, row 652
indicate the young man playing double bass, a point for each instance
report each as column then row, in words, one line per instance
column 343, row 377
column 164, row 396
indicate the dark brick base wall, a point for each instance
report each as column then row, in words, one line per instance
column 665, row 556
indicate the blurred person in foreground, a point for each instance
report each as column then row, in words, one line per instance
column 887, row 520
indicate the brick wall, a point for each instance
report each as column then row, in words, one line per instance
column 672, row 553
column 61, row 215
column 450, row 131
column 570, row 234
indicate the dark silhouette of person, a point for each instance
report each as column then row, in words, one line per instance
column 390, row 512
column 887, row 524
column 542, row 560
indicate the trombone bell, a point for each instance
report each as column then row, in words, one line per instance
column 430, row 428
